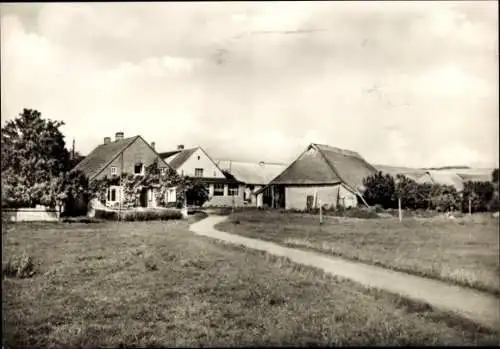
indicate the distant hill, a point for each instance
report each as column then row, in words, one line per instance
column 447, row 168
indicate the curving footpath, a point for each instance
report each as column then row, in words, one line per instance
column 479, row 307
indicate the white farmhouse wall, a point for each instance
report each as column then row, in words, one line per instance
column 210, row 170
column 296, row 196
column 30, row 214
column 226, row 200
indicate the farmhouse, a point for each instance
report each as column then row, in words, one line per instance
column 196, row 163
column 255, row 176
column 123, row 155
column 321, row 173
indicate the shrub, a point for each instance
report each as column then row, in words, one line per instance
column 83, row 219
column 380, row 189
column 106, row 215
column 480, row 194
column 20, row 267
column 357, row 212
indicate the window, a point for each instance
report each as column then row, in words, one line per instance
column 113, row 171
column 171, row 197
column 163, row 171
column 218, row 189
column 113, row 194
column 233, row 190
column 138, row 168
column 198, row 172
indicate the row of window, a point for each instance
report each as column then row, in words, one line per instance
column 233, row 190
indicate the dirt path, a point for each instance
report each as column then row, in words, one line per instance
column 480, row 307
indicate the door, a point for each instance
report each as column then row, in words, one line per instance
column 143, row 198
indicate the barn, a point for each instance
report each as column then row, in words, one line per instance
column 321, row 174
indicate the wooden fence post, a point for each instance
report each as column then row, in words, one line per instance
column 399, row 209
column 320, row 212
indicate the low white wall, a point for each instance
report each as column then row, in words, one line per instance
column 30, row 214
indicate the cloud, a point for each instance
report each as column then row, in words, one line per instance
column 401, row 83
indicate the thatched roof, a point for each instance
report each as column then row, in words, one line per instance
column 443, row 178
column 257, row 173
column 323, row 164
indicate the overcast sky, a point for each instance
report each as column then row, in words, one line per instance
column 412, row 84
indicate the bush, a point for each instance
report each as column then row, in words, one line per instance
column 356, row 212
column 136, row 215
column 20, row 267
column 480, row 194
column 83, row 219
column 106, row 215
column 150, row 215
column 380, row 189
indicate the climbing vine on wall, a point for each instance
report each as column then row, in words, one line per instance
column 133, row 185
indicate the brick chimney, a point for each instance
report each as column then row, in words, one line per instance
column 118, row 136
column 107, row 140
column 153, row 145
column 180, row 147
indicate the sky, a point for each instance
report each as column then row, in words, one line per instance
column 402, row 83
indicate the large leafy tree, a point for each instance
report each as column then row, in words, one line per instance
column 34, row 155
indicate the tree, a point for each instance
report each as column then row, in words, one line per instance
column 33, row 157
column 75, row 159
column 380, row 189
column 479, row 193
column 494, row 176
column 407, row 190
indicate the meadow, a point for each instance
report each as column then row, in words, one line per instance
column 152, row 284
column 462, row 251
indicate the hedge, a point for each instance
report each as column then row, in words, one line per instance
column 136, row 215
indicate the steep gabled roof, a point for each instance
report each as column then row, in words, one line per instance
column 177, row 158
column 322, row 164
column 347, row 164
column 102, row 155
column 259, row 173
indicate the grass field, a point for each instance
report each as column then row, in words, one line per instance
column 156, row 284
column 463, row 251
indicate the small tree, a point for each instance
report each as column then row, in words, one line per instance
column 407, row 190
column 480, row 195
column 380, row 189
